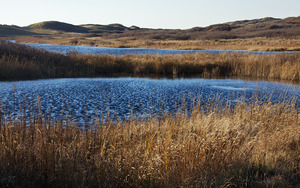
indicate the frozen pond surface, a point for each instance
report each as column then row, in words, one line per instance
column 64, row 49
column 85, row 99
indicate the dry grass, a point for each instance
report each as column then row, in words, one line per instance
column 207, row 65
column 23, row 62
column 251, row 44
column 249, row 146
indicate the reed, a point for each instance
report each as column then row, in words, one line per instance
column 148, row 41
column 275, row 66
column 19, row 61
column 256, row 145
column 22, row 62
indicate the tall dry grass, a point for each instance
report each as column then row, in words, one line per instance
column 248, row 146
column 251, row 44
column 23, row 62
column 19, row 61
column 273, row 66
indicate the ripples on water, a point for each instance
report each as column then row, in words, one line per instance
column 86, row 99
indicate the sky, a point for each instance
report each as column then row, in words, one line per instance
column 167, row 14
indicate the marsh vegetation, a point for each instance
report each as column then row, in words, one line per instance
column 253, row 144
column 250, row 145
column 23, row 62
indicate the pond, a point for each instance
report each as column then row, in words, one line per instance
column 85, row 99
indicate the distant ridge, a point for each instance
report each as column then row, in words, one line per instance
column 111, row 28
column 267, row 27
column 7, row 30
column 263, row 27
column 59, row 26
column 86, row 28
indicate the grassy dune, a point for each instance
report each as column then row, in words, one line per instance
column 250, row 146
column 265, row 34
column 263, row 30
column 8, row 30
column 58, row 26
column 23, row 62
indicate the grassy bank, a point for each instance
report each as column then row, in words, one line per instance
column 251, row 44
column 276, row 66
column 250, row 146
column 23, row 62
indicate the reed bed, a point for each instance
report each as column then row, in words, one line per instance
column 255, row 145
column 19, row 62
column 23, row 62
column 159, row 41
column 207, row 65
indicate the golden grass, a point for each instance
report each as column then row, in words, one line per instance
column 251, row 44
column 23, row 62
column 207, row 65
column 255, row 145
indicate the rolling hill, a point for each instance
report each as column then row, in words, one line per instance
column 111, row 28
column 7, row 30
column 86, row 28
column 58, row 26
column 264, row 27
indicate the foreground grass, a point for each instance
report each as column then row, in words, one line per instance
column 255, row 145
column 23, row 62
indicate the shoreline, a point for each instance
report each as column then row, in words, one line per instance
column 249, row 44
column 254, row 145
column 19, row 62
column 243, row 147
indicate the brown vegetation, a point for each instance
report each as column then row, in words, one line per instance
column 259, row 34
column 253, row 44
column 275, row 66
column 264, row 27
column 23, row 62
column 249, row 146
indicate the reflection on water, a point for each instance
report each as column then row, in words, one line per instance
column 230, row 88
column 88, row 98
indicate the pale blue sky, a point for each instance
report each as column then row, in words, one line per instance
column 171, row 14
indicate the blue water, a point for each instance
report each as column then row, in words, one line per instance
column 64, row 49
column 86, row 99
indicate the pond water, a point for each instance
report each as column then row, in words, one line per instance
column 85, row 99
column 64, row 49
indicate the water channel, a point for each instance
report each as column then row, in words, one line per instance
column 85, row 99
column 64, row 49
